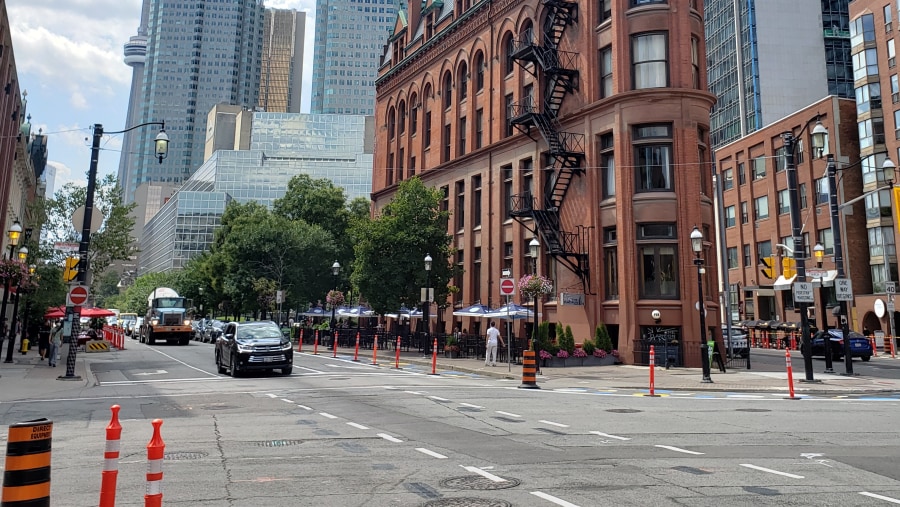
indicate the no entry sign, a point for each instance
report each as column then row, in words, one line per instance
column 507, row 287
column 78, row 295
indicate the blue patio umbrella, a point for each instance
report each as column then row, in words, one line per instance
column 511, row 311
column 356, row 312
column 476, row 310
column 315, row 311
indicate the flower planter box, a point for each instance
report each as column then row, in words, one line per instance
column 598, row 361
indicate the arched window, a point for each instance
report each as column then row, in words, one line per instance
column 402, row 119
column 413, row 114
column 428, row 96
column 463, row 74
column 479, row 71
column 508, row 48
column 392, row 123
column 446, row 89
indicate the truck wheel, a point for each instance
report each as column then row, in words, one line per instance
column 185, row 341
column 151, row 340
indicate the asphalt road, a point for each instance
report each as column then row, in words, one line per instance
column 338, row 433
column 773, row 360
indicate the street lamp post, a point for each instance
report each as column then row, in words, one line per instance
column 335, row 271
column 533, row 248
column 23, row 256
column 161, row 143
column 800, row 256
column 889, row 169
column 27, row 311
column 426, row 304
column 14, row 234
column 819, row 254
column 697, row 247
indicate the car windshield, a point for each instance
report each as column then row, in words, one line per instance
column 258, row 331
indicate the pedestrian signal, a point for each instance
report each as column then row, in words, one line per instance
column 70, row 273
column 768, row 269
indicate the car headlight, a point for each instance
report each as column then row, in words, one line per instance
column 286, row 345
column 244, row 348
column 187, row 322
column 154, row 322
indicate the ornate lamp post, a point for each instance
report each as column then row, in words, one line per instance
column 533, row 247
column 335, row 271
column 14, row 234
column 426, row 304
column 23, row 256
column 819, row 254
column 697, row 247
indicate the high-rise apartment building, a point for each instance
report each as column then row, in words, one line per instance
column 199, row 54
column 349, row 39
column 766, row 60
column 281, row 70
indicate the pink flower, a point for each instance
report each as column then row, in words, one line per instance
column 599, row 353
column 615, row 353
column 580, row 353
column 545, row 355
column 562, row 354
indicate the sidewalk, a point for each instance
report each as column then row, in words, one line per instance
column 637, row 377
column 28, row 377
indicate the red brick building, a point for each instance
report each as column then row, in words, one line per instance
column 583, row 123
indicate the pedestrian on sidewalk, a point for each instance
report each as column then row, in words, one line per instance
column 44, row 339
column 55, row 343
column 493, row 337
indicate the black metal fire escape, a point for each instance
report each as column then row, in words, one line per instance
column 565, row 149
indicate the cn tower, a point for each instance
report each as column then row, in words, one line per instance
column 135, row 55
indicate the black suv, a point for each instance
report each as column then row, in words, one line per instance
column 259, row 345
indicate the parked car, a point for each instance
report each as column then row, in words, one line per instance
column 259, row 345
column 212, row 331
column 860, row 346
column 737, row 341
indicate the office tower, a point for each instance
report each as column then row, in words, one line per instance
column 135, row 57
column 281, row 76
column 766, row 60
column 199, row 54
column 350, row 36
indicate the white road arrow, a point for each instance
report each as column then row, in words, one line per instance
column 157, row 372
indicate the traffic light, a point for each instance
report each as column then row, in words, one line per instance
column 788, row 267
column 768, row 269
column 71, row 271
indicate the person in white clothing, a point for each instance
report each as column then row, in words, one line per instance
column 493, row 337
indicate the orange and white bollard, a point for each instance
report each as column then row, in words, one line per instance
column 434, row 358
column 375, row 351
column 893, row 347
column 334, row 343
column 652, row 371
column 874, row 347
column 397, row 355
column 790, row 373
column 356, row 350
column 111, row 460
column 316, row 344
column 156, row 449
column 793, row 341
column 300, row 341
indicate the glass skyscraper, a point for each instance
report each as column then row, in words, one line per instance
column 282, row 145
column 766, row 60
column 281, row 76
column 199, row 53
column 350, row 36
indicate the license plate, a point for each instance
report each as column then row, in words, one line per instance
column 858, row 345
column 268, row 359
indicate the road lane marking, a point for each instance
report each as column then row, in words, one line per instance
column 286, row 400
column 413, row 392
column 880, row 497
column 182, row 362
column 679, row 449
column 357, row 426
column 470, row 405
column 438, row 398
column 747, row 396
column 334, row 365
column 431, row 453
column 551, row 498
column 390, row 438
column 326, row 414
column 161, row 381
column 769, row 470
column 551, row 423
column 487, row 475
column 507, row 413
column 304, row 407
column 270, row 395
column 607, row 435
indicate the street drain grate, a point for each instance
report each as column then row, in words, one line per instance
column 467, row 502
column 179, row 456
column 623, row 411
column 278, row 443
column 752, row 410
column 478, row 482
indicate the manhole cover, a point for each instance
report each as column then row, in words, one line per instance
column 623, row 411
column 184, row 455
column 478, row 482
column 467, row 502
column 752, row 410
column 278, row 443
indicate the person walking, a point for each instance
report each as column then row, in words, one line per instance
column 55, row 343
column 44, row 339
column 493, row 337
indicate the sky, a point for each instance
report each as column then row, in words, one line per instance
column 69, row 60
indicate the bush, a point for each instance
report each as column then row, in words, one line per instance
column 601, row 336
column 588, row 347
column 569, row 341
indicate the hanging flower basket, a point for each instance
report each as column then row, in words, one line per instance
column 15, row 273
column 534, row 286
column 334, row 298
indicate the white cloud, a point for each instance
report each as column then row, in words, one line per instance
column 78, row 101
column 65, row 175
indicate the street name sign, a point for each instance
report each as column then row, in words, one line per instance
column 843, row 291
column 803, row 292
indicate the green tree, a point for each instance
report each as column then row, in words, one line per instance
column 112, row 242
column 134, row 299
column 388, row 267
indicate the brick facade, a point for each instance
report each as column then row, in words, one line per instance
column 505, row 180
